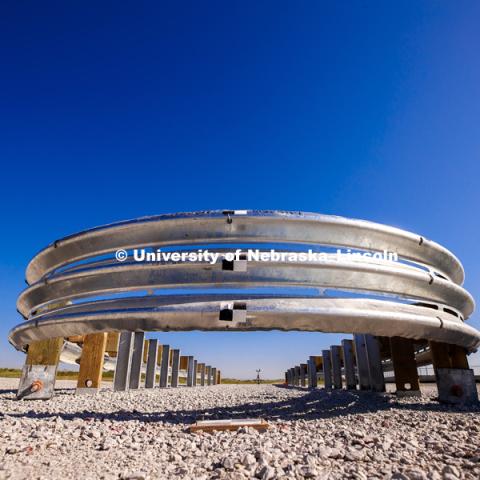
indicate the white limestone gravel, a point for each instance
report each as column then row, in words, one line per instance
column 143, row 435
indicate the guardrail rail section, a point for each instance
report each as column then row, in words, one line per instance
column 85, row 302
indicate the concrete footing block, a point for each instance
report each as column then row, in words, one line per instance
column 456, row 386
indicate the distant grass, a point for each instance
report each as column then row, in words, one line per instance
column 251, row 382
column 108, row 377
column 9, row 373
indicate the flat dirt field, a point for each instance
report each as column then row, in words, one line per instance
column 144, row 434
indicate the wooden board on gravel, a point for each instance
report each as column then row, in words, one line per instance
column 230, row 424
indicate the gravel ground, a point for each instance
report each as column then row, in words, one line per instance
column 318, row 434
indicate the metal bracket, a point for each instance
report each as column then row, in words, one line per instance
column 37, row 382
column 456, row 386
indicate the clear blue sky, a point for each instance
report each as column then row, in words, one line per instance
column 113, row 110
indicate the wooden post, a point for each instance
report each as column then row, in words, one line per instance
column 145, row 351
column 458, row 357
column 91, row 363
column 201, row 368
column 440, row 355
column 112, row 343
column 219, row 377
column 208, row 370
column 159, row 355
column 404, row 366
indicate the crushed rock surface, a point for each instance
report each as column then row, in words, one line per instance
column 144, row 434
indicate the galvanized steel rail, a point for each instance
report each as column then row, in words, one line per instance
column 419, row 297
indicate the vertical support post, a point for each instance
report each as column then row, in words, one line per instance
column 312, row 372
column 112, row 344
column 377, row 379
column 194, row 378
column 404, row 366
column 137, row 360
column 296, row 381
column 164, row 366
column 201, row 368
column 219, row 377
column 91, row 363
column 190, row 372
column 362, row 361
column 349, row 364
column 38, row 374
column 327, row 369
column 175, row 367
column 145, row 352
column 208, row 369
column 458, row 357
column 122, row 369
column 214, row 375
column 336, row 355
column 303, row 374
column 151, row 363
column 183, row 367
column 440, row 355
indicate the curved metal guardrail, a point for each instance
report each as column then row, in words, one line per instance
column 420, row 296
